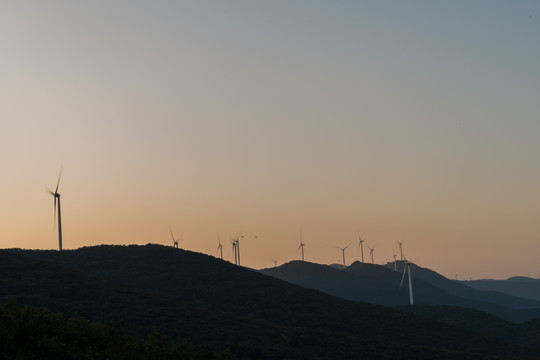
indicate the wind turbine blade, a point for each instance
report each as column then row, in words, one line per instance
column 170, row 230
column 59, row 177
column 403, row 277
column 49, row 191
column 347, row 246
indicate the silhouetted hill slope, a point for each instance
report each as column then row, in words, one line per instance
column 380, row 285
column 461, row 289
column 474, row 320
column 333, row 281
column 38, row 283
column 521, row 286
column 209, row 300
column 31, row 333
column 525, row 334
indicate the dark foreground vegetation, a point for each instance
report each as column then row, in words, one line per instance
column 31, row 333
column 220, row 308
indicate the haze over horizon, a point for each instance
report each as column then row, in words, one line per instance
column 403, row 121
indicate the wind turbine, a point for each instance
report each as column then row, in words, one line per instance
column 401, row 249
column 175, row 241
column 275, row 262
column 361, row 244
column 233, row 242
column 301, row 246
column 343, row 251
column 408, row 266
column 57, row 197
column 371, row 249
column 238, row 246
column 220, row 247
column 395, row 261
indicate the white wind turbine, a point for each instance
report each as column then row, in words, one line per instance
column 407, row 269
column 361, row 244
column 238, row 246
column 233, row 242
column 343, row 252
column 371, row 250
column 57, row 198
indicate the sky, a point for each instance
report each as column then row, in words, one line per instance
column 412, row 121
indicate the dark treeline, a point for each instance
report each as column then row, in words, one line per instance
column 31, row 333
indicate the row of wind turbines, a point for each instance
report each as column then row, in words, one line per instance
column 406, row 267
column 235, row 242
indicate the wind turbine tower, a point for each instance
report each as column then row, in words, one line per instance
column 371, row 249
column 233, row 242
column 343, row 252
column 238, row 246
column 407, row 269
column 301, row 246
column 57, row 198
column 401, row 249
column 220, row 248
column 175, row 241
column 361, row 244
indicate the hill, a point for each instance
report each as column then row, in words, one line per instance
column 522, row 286
column 216, row 306
column 379, row 284
column 463, row 289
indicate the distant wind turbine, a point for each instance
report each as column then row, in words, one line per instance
column 395, row 261
column 57, row 197
column 343, row 252
column 301, row 246
column 407, row 269
column 175, row 240
column 275, row 261
column 361, row 244
column 238, row 246
column 233, row 242
column 401, row 249
column 220, row 247
column 371, row 249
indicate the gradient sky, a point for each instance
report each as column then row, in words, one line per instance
column 416, row 121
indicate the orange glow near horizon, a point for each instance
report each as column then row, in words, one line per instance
column 275, row 118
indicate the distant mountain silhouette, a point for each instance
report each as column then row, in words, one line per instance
column 521, row 286
column 463, row 289
column 217, row 306
column 380, row 285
